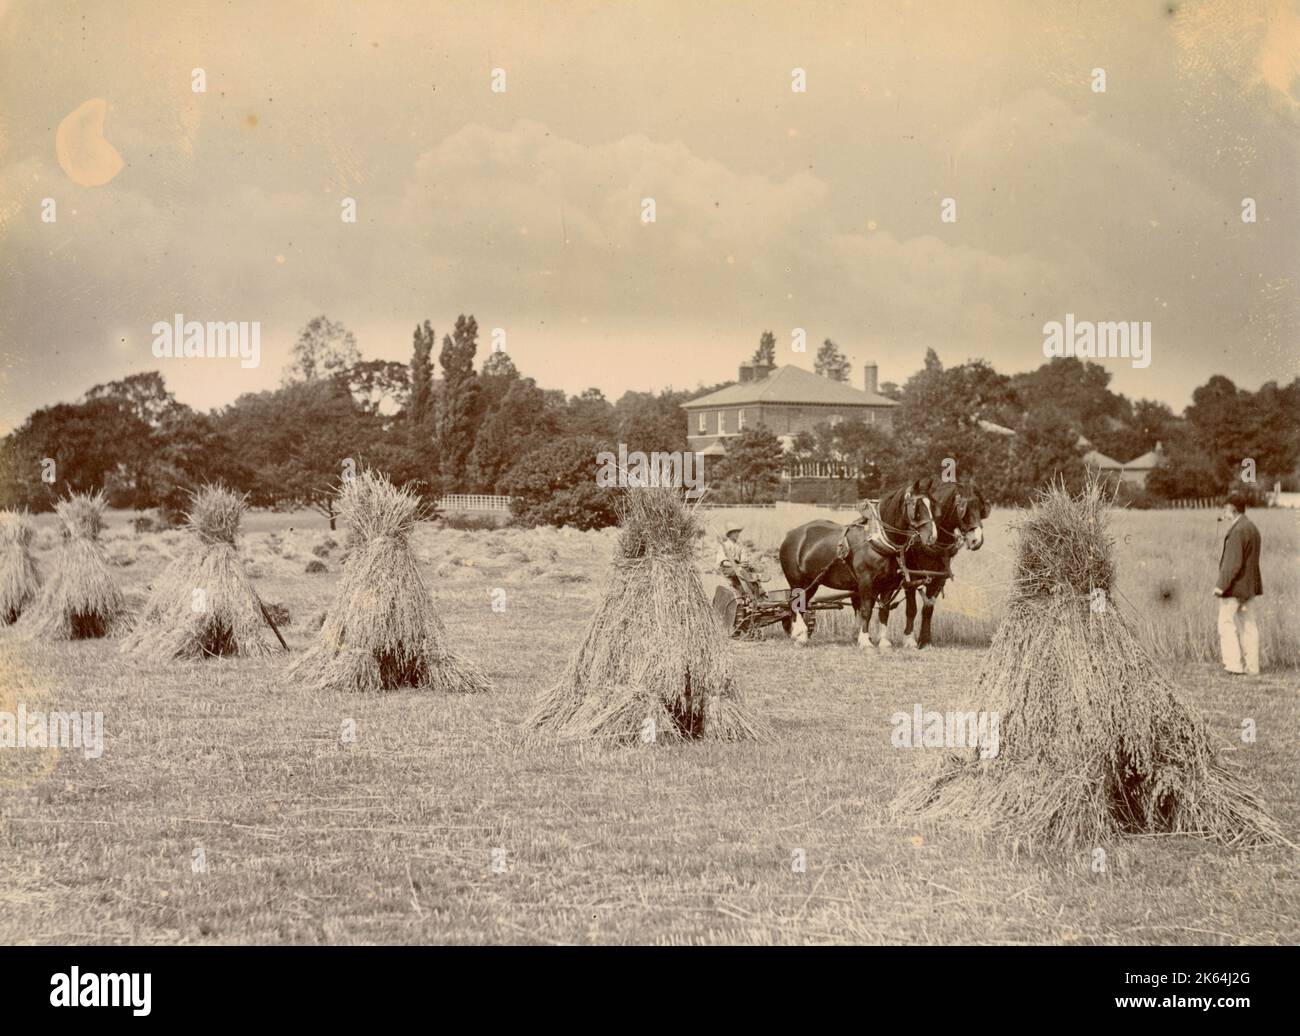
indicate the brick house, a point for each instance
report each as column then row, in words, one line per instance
column 788, row 400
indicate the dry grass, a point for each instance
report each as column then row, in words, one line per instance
column 1167, row 563
column 80, row 599
column 383, row 630
column 204, row 603
column 1096, row 741
column 654, row 663
column 20, row 581
column 389, row 838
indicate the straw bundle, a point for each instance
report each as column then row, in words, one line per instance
column 19, row 580
column 80, row 600
column 203, row 604
column 1095, row 740
column 654, row 663
column 383, row 630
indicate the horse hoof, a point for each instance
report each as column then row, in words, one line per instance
column 864, row 641
column 885, row 645
column 910, row 643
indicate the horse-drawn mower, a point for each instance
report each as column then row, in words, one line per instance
column 745, row 617
column 745, row 608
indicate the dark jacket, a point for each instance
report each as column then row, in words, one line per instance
column 1239, row 562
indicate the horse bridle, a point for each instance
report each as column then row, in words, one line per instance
column 963, row 506
column 911, row 504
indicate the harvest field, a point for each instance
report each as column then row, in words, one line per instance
column 228, row 805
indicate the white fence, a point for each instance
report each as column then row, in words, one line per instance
column 473, row 502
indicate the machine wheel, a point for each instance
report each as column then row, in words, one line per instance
column 727, row 605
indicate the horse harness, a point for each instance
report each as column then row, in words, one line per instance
column 878, row 540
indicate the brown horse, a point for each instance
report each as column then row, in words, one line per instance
column 849, row 557
column 959, row 512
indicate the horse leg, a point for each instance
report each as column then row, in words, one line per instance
column 884, row 643
column 927, row 613
column 909, row 638
column 798, row 629
column 866, row 618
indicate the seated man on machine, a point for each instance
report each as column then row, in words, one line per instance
column 732, row 564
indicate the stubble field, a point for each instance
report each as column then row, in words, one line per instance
column 228, row 806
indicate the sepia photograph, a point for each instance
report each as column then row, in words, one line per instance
column 576, row 473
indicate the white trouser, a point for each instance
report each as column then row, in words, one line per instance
column 1238, row 636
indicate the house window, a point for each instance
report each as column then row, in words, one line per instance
column 704, row 422
column 722, row 422
column 740, row 420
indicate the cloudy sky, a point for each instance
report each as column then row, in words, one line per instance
column 774, row 208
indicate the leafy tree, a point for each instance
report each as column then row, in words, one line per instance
column 939, row 419
column 188, row 451
column 144, row 395
column 752, row 467
column 1042, row 451
column 1186, row 470
column 555, row 484
column 521, row 422
column 870, row 451
column 296, row 441
column 498, row 375
column 1078, row 391
column 458, row 404
column 590, row 413
column 324, row 348
column 650, row 422
column 1225, row 427
column 1274, row 415
column 98, row 444
column 1153, row 422
column 766, row 353
column 831, row 363
column 379, row 387
column 419, row 411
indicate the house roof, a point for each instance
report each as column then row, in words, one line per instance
column 1146, row 462
column 1097, row 459
column 790, row 384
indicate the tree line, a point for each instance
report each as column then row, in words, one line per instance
column 1015, row 433
column 446, row 425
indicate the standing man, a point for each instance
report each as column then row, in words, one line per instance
column 1239, row 583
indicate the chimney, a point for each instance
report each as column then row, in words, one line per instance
column 869, row 378
column 746, row 373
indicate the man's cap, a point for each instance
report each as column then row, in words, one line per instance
column 735, row 528
column 1237, row 500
